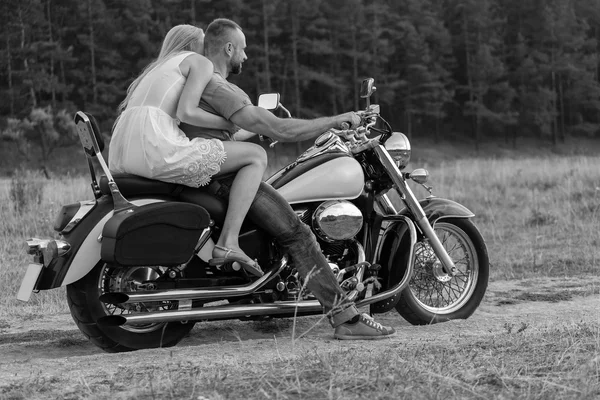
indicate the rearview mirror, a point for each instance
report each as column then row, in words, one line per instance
column 367, row 88
column 268, row 101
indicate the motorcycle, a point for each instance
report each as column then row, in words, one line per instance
column 134, row 259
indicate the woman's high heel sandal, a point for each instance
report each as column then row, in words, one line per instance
column 248, row 264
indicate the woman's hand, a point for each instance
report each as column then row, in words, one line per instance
column 233, row 129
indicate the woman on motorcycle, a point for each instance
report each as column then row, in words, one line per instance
column 147, row 141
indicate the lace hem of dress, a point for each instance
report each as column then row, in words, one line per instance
column 207, row 160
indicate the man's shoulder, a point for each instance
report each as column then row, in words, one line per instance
column 221, row 91
column 223, row 98
column 220, row 83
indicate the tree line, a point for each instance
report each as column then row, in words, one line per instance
column 475, row 69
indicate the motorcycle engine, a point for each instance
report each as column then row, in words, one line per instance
column 337, row 220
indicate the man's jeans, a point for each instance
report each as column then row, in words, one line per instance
column 272, row 212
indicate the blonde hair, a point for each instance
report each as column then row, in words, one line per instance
column 180, row 38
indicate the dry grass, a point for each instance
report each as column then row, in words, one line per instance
column 553, row 362
column 540, row 217
column 31, row 220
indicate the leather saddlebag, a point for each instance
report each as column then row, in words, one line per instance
column 163, row 233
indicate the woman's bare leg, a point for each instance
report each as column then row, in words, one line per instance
column 250, row 162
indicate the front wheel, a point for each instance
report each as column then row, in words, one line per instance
column 433, row 295
column 86, row 309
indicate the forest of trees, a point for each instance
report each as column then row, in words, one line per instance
column 475, row 69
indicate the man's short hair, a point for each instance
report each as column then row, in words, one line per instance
column 217, row 34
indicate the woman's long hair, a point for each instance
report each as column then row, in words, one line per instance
column 179, row 38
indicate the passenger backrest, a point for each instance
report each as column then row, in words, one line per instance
column 93, row 144
column 89, row 133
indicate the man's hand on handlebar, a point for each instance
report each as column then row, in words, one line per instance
column 350, row 120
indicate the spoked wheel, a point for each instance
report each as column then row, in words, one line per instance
column 86, row 309
column 433, row 295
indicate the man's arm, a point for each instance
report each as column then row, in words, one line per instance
column 259, row 120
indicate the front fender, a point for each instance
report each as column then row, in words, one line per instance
column 437, row 208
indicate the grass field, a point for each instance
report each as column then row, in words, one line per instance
column 540, row 217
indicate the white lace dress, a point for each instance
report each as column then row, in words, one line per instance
column 147, row 140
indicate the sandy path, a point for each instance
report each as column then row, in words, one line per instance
column 52, row 346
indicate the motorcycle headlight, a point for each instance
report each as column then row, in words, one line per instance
column 399, row 148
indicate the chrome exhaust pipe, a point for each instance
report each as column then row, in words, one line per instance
column 281, row 309
column 193, row 294
column 286, row 308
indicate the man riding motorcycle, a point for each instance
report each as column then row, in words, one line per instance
column 224, row 46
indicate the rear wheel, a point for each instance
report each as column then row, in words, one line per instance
column 435, row 296
column 86, row 309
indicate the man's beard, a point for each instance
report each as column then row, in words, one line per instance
column 236, row 68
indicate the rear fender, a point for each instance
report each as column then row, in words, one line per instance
column 53, row 275
column 85, row 246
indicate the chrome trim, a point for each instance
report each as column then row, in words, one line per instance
column 333, row 145
column 360, row 266
column 193, row 294
column 204, row 236
column 230, row 311
column 36, row 245
column 185, row 305
column 343, row 220
column 398, row 141
column 63, row 247
column 386, row 204
column 47, row 250
column 302, row 213
column 419, row 175
column 84, row 208
column 91, row 148
column 290, row 308
column 409, row 268
column 413, row 205
column 323, row 138
column 398, row 146
column 360, row 259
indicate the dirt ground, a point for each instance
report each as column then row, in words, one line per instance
column 51, row 346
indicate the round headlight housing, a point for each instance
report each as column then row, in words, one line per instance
column 399, row 148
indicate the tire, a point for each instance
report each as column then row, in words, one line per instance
column 82, row 297
column 433, row 296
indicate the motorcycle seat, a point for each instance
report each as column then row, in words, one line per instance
column 132, row 186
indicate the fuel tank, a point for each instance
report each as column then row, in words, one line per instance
column 329, row 176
